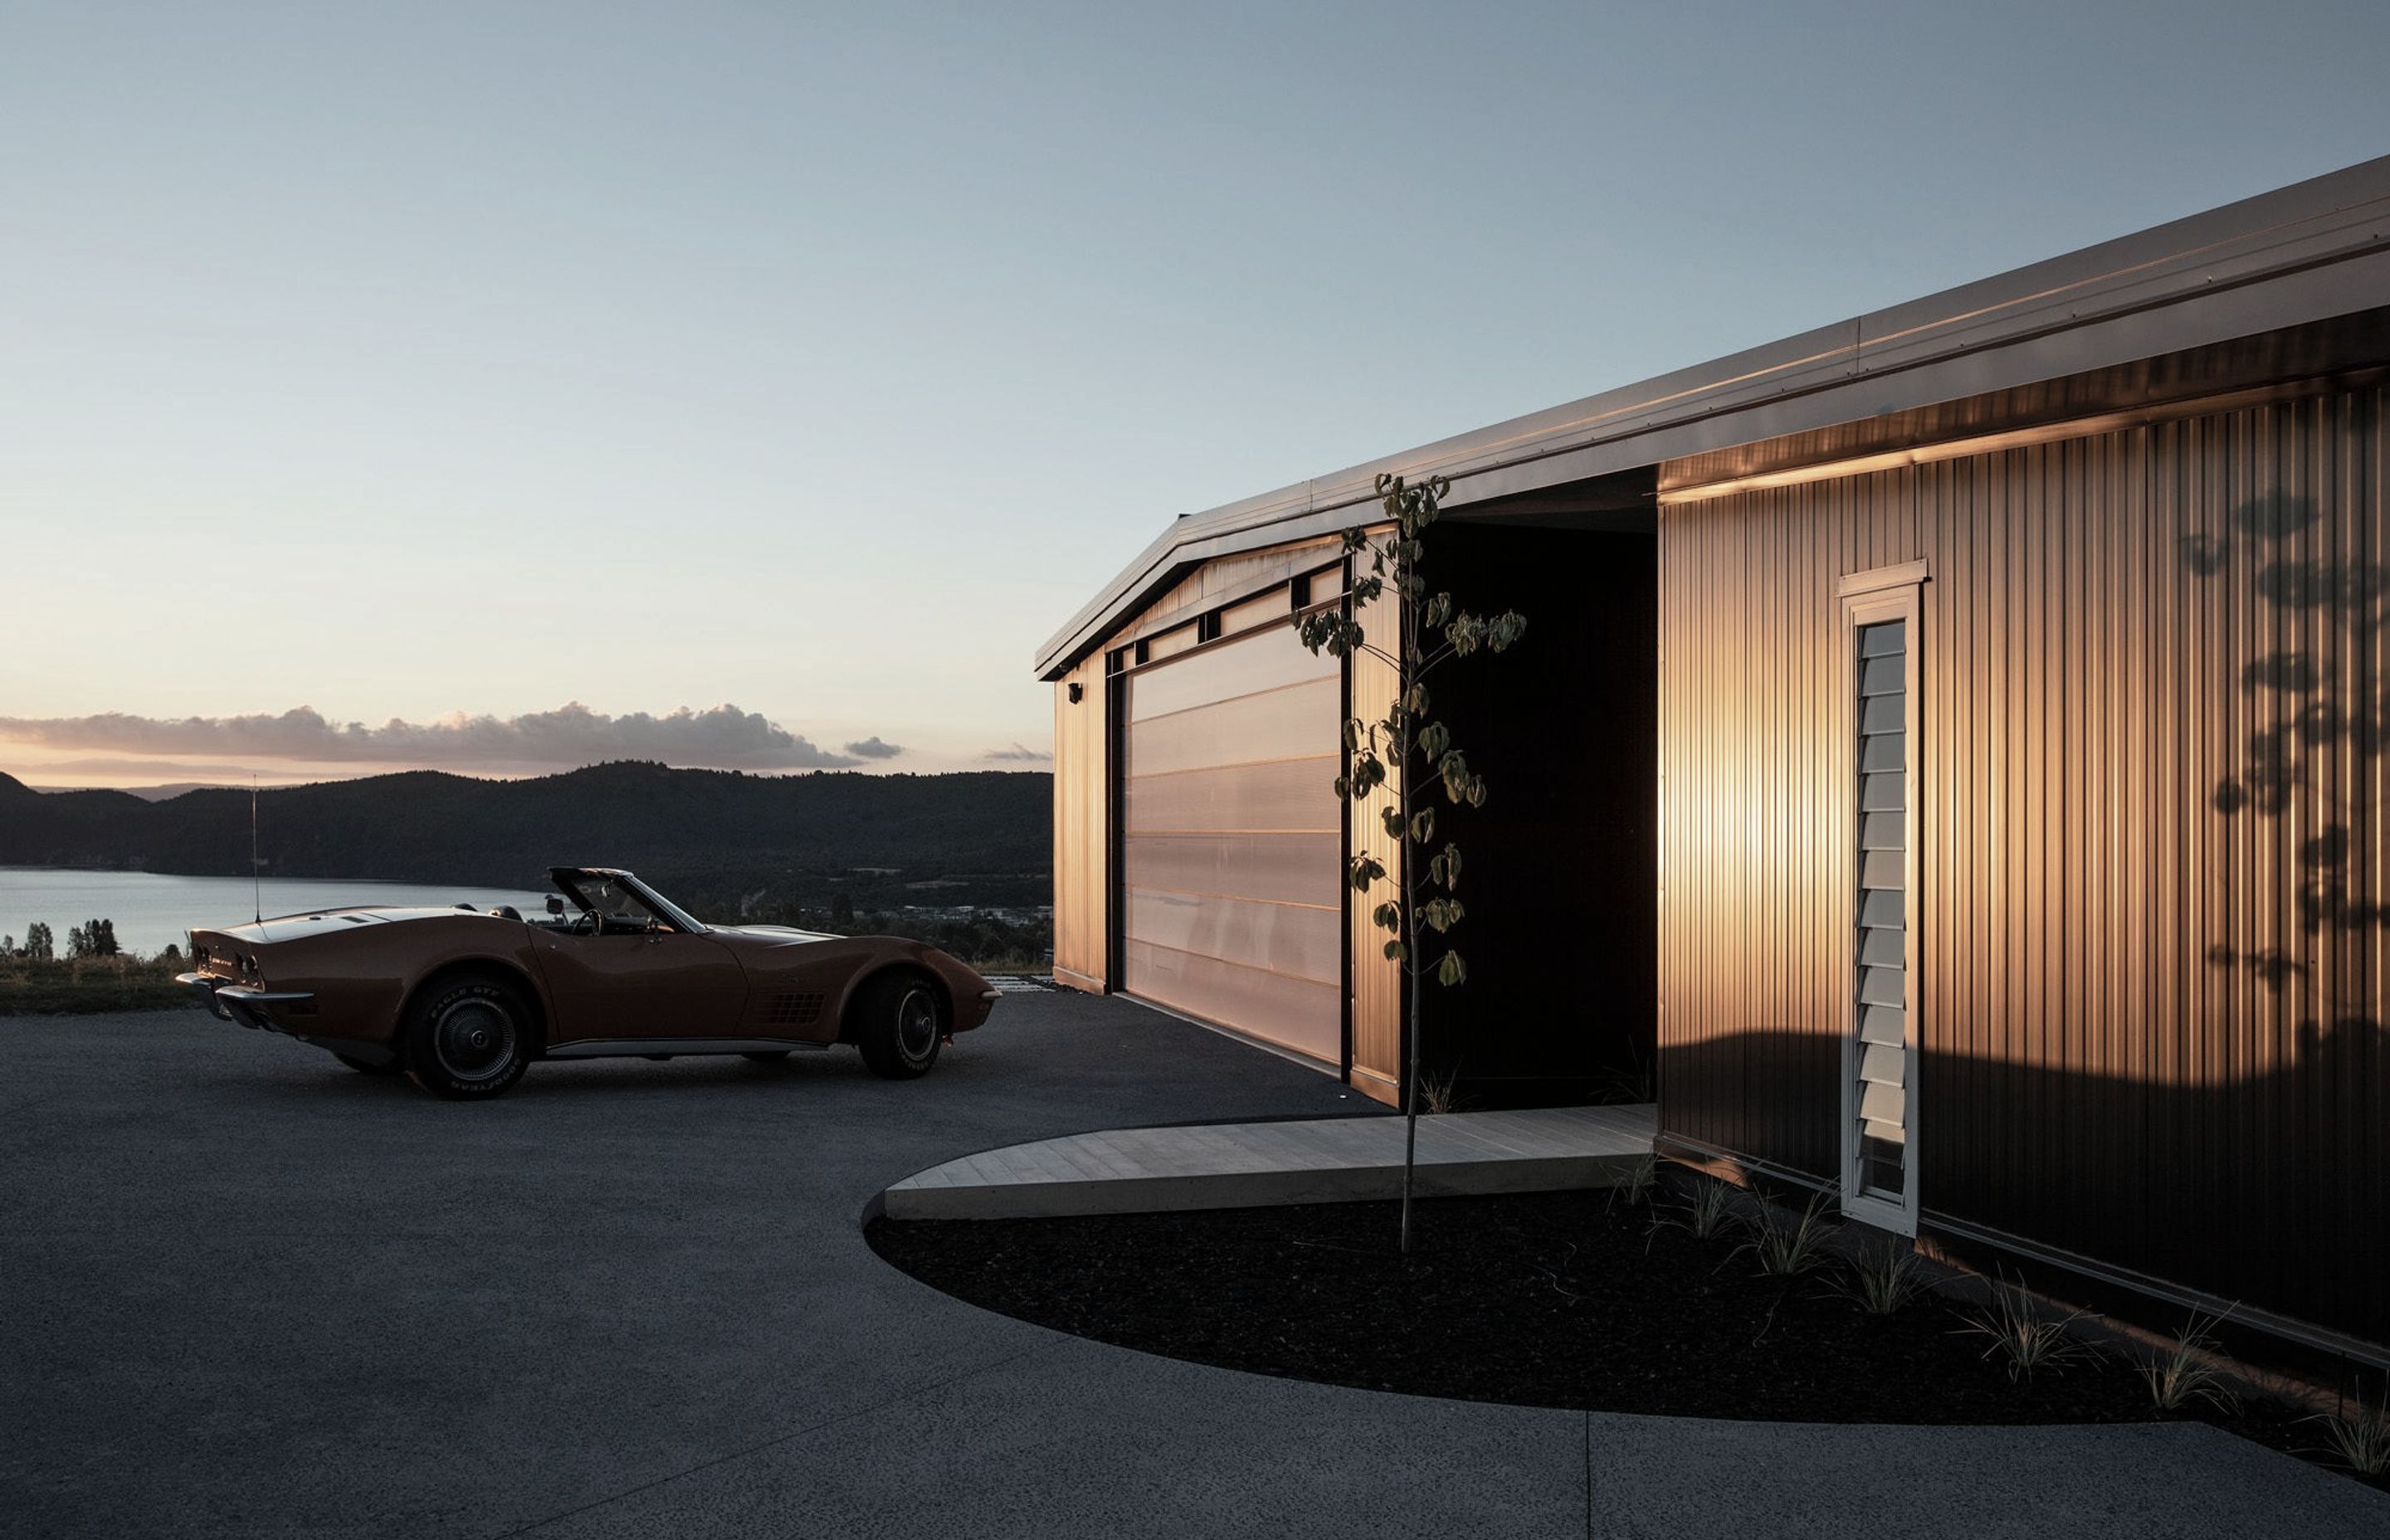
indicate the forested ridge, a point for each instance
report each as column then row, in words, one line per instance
column 981, row 838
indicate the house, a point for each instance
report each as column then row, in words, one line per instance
column 1947, row 747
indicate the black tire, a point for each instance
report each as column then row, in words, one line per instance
column 898, row 1020
column 766, row 1058
column 467, row 1040
column 364, row 1068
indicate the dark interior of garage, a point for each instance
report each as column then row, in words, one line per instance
column 1560, row 866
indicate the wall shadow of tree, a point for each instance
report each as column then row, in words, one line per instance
column 2322, row 714
column 2314, row 705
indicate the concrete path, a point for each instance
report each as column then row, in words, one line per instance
column 245, row 1292
column 1251, row 1164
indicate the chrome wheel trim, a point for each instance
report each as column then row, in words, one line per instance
column 916, row 1024
column 474, row 1040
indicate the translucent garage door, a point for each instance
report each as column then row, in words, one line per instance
column 1231, row 840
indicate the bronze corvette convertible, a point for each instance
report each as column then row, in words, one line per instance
column 462, row 1001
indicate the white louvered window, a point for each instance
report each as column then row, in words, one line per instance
column 1880, row 1059
column 1880, row 1056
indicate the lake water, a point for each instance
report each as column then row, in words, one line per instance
column 152, row 912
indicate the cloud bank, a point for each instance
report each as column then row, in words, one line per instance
column 871, row 747
column 718, row 737
column 1020, row 753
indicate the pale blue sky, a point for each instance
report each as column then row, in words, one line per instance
column 364, row 357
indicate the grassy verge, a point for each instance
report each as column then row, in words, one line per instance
column 88, row 985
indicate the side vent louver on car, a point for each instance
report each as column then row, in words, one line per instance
column 792, row 1010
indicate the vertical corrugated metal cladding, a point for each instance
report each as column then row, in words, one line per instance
column 1082, row 835
column 1376, row 1011
column 2155, row 705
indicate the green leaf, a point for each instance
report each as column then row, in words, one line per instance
column 1452, row 970
column 1424, row 824
column 1397, row 951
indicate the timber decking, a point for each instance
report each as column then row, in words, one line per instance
column 1253, row 1164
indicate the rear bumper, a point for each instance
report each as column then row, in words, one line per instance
column 239, row 1002
column 251, row 1007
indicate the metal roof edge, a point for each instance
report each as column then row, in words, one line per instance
column 2159, row 290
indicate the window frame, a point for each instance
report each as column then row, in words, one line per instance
column 1873, row 599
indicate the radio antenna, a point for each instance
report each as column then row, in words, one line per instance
column 256, row 882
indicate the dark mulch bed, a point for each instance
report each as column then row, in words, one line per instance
column 1548, row 1299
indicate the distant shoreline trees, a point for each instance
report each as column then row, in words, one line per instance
column 92, row 938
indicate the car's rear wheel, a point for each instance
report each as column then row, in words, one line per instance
column 468, row 1039
column 765, row 1057
column 366, row 1067
column 899, row 1021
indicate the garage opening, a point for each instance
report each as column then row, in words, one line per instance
column 1561, row 864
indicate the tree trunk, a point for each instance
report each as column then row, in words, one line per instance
column 1411, row 1006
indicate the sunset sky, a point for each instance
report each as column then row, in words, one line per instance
column 503, row 388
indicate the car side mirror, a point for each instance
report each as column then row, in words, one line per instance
column 556, row 905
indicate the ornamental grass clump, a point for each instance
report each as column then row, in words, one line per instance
column 1635, row 1188
column 1881, row 1281
column 2188, row 1371
column 1781, row 1247
column 2022, row 1340
column 1440, row 1094
column 1703, row 1215
column 2360, row 1439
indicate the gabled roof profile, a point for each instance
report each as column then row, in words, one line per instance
column 2308, row 253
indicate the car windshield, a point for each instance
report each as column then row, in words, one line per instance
column 614, row 902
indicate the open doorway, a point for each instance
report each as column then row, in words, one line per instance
column 1560, row 865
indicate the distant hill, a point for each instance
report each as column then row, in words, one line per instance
column 152, row 793
column 977, row 838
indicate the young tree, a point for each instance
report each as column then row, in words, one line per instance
column 103, row 938
column 1422, row 904
column 38, row 945
column 79, row 941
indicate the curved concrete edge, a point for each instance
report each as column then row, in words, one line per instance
column 1254, row 1165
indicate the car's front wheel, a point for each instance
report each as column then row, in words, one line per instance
column 467, row 1040
column 899, row 1021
